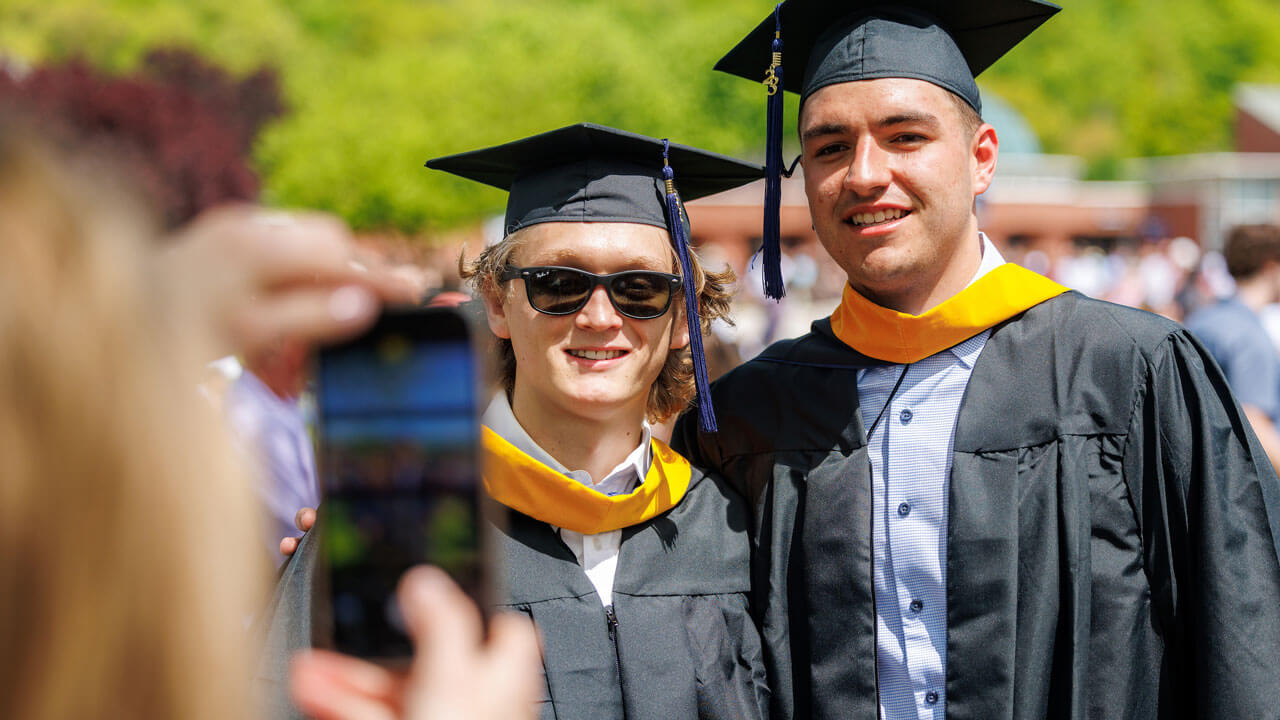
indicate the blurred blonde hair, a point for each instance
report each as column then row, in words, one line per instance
column 126, row 533
column 674, row 389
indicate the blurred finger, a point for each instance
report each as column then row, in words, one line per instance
column 305, row 519
column 257, row 276
column 352, row 673
column 394, row 287
column 288, row 546
column 282, row 248
column 329, row 686
column 445, row 624
column 514, row 655
column 308, row 314
column 319, row 249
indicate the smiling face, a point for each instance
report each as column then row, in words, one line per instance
column 891, row 171
column 595, row 362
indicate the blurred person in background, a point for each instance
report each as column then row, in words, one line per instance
column 1233, row 332
column 263, row 407
column 1187, row 257
column 110, row 463
column 1161, row 277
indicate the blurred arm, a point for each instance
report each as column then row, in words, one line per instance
column 1266, row 431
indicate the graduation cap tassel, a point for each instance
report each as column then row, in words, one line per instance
column 706, row 414
column 772, row 248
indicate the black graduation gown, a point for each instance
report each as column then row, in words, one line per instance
column 1111, row 548
column 686, row 646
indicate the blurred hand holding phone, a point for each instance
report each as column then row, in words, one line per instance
column 398, row 460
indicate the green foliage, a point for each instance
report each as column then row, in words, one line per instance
column 1111, row 79
column 377, row 87
column 452, row 77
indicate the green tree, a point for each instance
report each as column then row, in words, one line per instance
column 1112, row 79
column 377, row 87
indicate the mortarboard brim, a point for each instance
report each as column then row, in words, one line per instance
column 945, row 42
column 593, row 173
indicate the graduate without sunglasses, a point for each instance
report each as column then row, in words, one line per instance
column 981, row 495
column 633, row 564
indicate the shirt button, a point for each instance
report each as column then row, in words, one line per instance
column 917, row 606
column 905, row 416
column 931, row 697
column 904, row 509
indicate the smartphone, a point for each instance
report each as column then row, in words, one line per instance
column 397, row 456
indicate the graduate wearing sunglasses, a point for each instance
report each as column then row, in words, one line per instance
column 632, row 563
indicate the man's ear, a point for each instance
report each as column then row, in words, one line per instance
column 986, row 148
column 496, row 315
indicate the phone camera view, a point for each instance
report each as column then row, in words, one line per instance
column 398, row 468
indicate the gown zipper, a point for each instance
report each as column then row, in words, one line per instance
column 611, row 621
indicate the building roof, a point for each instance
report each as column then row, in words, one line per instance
column 1205, row 166
column 1260, row 101
column 1015, row 133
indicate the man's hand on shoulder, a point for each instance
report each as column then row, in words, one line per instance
column 305, row 519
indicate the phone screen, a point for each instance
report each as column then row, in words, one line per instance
column 398, row 466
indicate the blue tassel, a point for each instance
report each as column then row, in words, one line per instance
column 675, row 219
column 772, row 245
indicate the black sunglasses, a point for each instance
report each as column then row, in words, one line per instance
column 638, row 294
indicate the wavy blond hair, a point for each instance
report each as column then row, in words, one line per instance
column 126, row 534
column 674, row 389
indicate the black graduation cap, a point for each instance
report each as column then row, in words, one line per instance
column 945, row 42
column 593, row 173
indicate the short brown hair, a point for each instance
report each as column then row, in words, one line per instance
column 1249, row 248
column 970, row 119
column 674, row 389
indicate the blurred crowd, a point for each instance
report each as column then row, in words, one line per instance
column 1170, row 276
column 1173, row 277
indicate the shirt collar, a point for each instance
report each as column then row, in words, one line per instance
column 499, row 418
column 628, row 473
column 967, row 352
column 991, row 258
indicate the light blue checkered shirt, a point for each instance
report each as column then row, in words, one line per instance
column 910, row 452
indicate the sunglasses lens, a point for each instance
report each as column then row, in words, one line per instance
column 558, row 291
column 641, row 294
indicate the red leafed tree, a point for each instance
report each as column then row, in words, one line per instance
column 184, row 125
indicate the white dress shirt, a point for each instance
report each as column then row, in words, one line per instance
column 910, row 452
column 597, row 554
